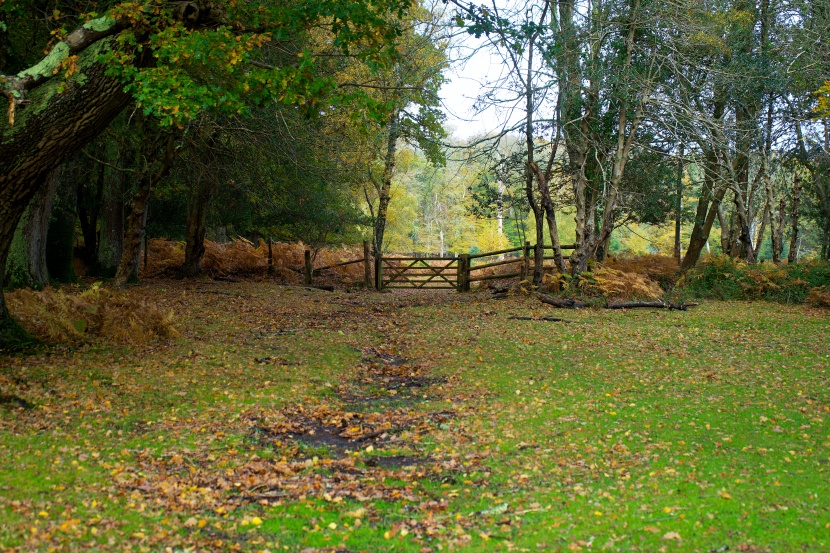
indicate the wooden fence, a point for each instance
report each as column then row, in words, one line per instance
column 440, row 273
column 521, row 257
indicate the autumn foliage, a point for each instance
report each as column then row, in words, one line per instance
column 71, row 315
column 242, row 258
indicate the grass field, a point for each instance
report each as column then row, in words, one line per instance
column 288, row 419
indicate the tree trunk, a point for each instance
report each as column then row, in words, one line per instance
column 792, row 256
column 47, row 131
column 194, row 248
column 766, row 220
column 60, row 243
column 742, row 220
column 707, row 204
column 550, row 217
column 202, row 190
column 26, row 265
column 137, row 219
column 704, row 219
column 89, row 204
column 678, row 208
column 778, row 233
column 386, row 179
column 111, row 237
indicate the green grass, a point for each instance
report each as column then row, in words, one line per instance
column 630, row 431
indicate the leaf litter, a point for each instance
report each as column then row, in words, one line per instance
column 530, row 437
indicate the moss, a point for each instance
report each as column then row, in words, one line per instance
column 48, row 65
column 100, row 25
column 17, row 266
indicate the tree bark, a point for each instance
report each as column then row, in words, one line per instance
column 194, row 248
column 113, row 221
column 766, row 219
column 385, row 188
column 137, row 219
column 27, row 261
column 792, row 256
column 550, row 217
column 678, row 208
column 49, row 129
column 203, row 186
column 778, row 233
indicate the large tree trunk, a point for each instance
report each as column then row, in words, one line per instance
column 49, row 129
column 26, row 265
column 550, row 216
column 678, row 208
column 385, row 188
column 743, row 219
column 766, row 219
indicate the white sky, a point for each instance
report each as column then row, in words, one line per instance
column 466, row 81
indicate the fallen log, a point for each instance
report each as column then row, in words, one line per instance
column 650, row 304
column 548, row 319
column 566, row 303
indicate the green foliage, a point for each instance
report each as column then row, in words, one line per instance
column 722, row 277
column 225, row 69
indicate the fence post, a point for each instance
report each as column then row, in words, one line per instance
column 308, row 267
column 525, row 261
column 367, row 265
column 379, row 271
column 463, row 272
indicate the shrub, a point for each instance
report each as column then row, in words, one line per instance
column 662, row 269
column 725, row 278
column 819, row 297
column 70, row 315
column 612, row 284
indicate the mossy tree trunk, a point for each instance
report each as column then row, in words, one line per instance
column 43, row 135
column 26, row 265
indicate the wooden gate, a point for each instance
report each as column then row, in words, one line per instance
column 431, row 273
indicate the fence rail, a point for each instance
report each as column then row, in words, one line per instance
column 432, row 272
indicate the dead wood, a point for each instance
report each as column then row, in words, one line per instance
column 651, row 304
column 548, row 319
column 565, row 303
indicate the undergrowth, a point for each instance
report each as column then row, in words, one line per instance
column 724, row 278
column 242, row 258
column 71, row 315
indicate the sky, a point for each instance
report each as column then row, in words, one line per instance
column 466, row 79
